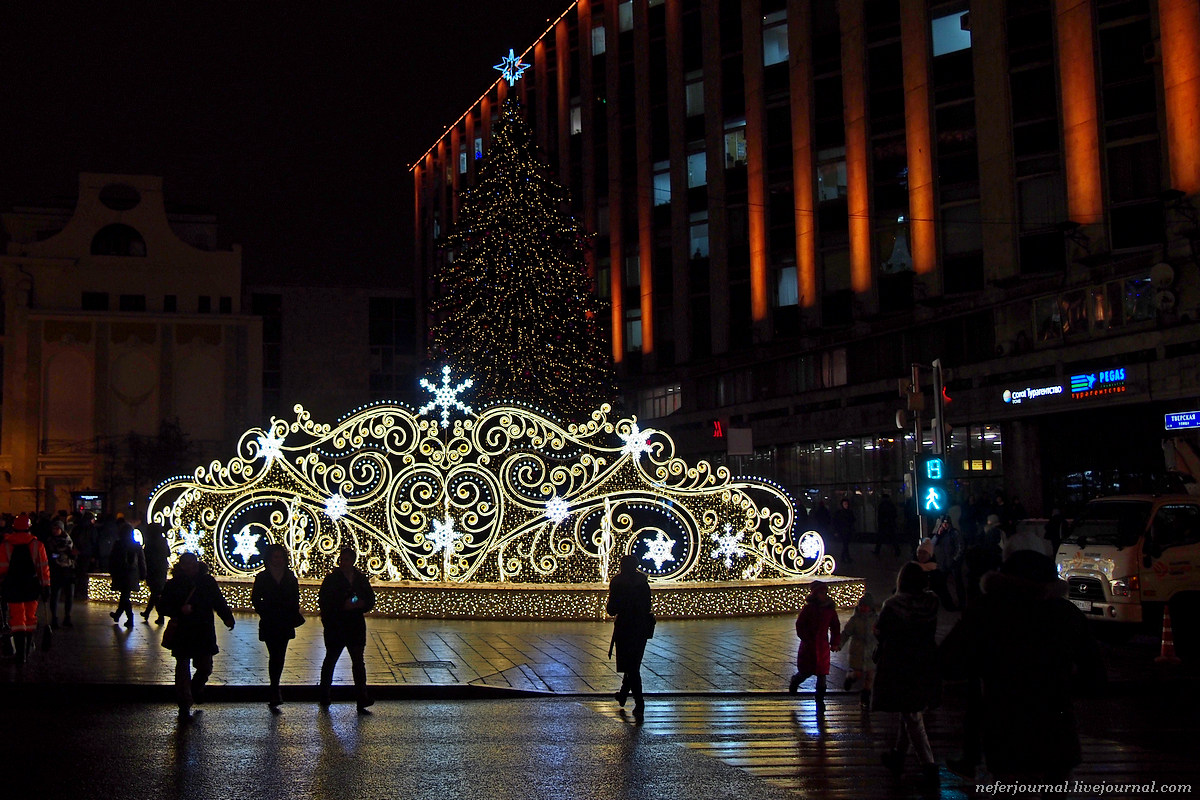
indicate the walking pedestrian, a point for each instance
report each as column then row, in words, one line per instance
column 24, row 578
column 820, row 520
column 276, row 598
column 843, row 528
column 907, row 680
column 948, row 552
column 859, row 634
column 885, row 516
column 633, row 625
column 1030, row 650
column 190, row 598
column 84, row 537
column 62, row 554
column 820, row 633
column 935, row 577
column 345, row 596
column 158, row 555
column 127, row 564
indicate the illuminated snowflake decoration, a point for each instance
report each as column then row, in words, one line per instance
column 636, row 442
column 810, row 545
column 336, row 507
column 443, row 535
column 191, row 539
column 510, row 67
column 247, row 545
column 269, row 447
column 729, row 545
column 659, row 550
column 445, row 396
column 557, row 510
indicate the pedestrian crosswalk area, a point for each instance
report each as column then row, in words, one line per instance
column 792, row 746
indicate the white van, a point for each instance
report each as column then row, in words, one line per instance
column 1125, row 556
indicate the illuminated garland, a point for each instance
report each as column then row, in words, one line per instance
column 504, row 494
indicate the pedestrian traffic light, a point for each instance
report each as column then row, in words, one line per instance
column 933, row 486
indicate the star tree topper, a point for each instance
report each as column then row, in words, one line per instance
column 510, row 67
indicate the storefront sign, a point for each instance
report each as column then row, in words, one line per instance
column 1094, row 384
column 1181, row 420
column 1018, row 396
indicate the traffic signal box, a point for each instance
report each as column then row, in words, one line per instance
column 933, row 486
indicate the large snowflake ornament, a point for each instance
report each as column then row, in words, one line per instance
column 443, row 536
column 659, row 550
column 336, row 507
column 557, row 510
column 636, row 442
column 810, row 545
column 510, row 67
column 269, row 447
column 191, row 539
column 445, row 396
column 729, row 545
column 247, row 545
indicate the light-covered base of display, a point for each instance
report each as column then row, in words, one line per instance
column 584, row 601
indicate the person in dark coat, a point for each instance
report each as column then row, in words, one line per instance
column 127, row 564
column 276, row 598
column 1030, row 650
column 345, row 596
column 885, row 516
column 83, row 535
column 629, row 603
column 820, row 519
column 190, row 598
column 158, row 555
column 62, row 554
column 820, row 632
column 948, row 551
column 843, row 528
column 907, row 680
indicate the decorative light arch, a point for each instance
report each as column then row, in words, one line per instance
column 502, row 494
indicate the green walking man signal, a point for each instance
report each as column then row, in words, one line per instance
column 933, row 486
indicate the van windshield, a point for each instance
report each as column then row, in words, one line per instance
column 1118, row 523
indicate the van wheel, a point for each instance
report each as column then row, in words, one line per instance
column 1185, row 624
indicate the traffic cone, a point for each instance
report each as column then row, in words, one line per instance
column 1167, row 656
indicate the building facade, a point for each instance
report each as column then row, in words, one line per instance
column 118, row 317
column 796, row 201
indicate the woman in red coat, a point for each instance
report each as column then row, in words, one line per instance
column 820, row 633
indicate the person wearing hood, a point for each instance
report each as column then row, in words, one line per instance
column 907, row 680
column 820, row 633
column 24, row 578
column 1027, row 649
column 859, row 633
column 629, row 603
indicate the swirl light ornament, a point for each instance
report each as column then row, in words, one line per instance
column 502, row 494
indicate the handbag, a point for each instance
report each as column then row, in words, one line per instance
column 171, row 631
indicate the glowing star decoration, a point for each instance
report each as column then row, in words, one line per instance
column 810, row 545
column 247, row 545
column 269, row 447
column 729, row 545
column 659, row 550
column 191, row 539
column 336, row 507
column 510, row 67
column 443, row 535
column 445, row 396
column 557, row 510
column 636, row 442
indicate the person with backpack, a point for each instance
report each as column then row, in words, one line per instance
column 24, row 579
column 128, row 567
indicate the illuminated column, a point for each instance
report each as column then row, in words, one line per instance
column 543, row 94
column 1081, row 123
column 799, row 24
column 677, row 153
column 756, row 187
column 562, row 56
column 854, row 101
column 993, row 129
column 485, row 122
column 1179, row 26
column 645, row 223
column 612, row 82
column 718, row 214
column 587, row 192
column 922, row 206
column 469, row 124
column 456, row 141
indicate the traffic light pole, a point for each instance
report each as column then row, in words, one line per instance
column 918, row 444
column 939, row 410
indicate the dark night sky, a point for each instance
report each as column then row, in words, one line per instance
column 294, row 122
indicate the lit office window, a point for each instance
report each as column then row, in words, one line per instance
column 831, row 174
column 462, row 158
column 478, row 147
column 576, row 116
column 598, row 44
column 694, row 94
column 662, row 183
column 633, row 329
column 735, row 144
column 697, row 168
column 633, row 271
column 698, row 234
column 625, row 16
column 775, row 38
column 950, row 33
column 789, row 293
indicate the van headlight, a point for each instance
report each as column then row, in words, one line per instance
column 1124, row 587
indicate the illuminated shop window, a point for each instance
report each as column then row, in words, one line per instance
column 775, row 38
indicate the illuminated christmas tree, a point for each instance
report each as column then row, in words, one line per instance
column 517, row 312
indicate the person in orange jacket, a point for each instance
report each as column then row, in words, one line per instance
column 24, row 579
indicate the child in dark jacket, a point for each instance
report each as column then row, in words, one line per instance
column 820, row 633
